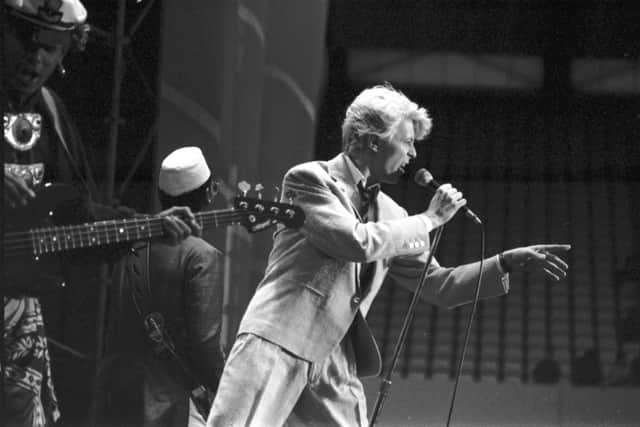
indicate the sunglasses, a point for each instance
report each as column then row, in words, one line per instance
column 28, row 32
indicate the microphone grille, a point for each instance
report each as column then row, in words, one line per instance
column 423, row 177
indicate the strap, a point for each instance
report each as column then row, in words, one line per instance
column 140, row 287
column 138, row 272
column 55, row 116
column 51, row 105
column 156, row 327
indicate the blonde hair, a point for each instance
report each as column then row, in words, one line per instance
column 378, row 111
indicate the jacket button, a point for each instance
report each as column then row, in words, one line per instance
column 356, row 300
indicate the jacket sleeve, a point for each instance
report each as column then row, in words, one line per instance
column 332, row 228
column 449, row 286
column 203, row 291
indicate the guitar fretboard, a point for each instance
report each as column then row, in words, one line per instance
column 45, row 240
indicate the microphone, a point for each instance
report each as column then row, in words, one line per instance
column 424, row 179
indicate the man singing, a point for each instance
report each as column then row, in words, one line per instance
column 304, row 341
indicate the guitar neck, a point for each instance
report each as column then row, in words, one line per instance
column 47, row 240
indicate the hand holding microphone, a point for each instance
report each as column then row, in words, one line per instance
column 446, row 201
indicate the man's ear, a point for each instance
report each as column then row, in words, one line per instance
column 373, row 144
column 209, row 194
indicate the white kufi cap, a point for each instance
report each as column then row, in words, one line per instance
column 54, row 14
column 184, row 170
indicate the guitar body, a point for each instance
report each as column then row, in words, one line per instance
column 24, row 272
column 55, row 204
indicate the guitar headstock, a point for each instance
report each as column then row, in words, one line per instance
column 262, row 214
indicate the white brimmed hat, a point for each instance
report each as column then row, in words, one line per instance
column 184, row 170
column 54, row 14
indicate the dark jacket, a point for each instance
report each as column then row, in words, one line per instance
column 185, row 284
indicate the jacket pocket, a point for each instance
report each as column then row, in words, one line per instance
column 319, row 297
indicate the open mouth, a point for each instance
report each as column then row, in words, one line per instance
column 27, row 77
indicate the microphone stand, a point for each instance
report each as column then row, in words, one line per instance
column 385, row 385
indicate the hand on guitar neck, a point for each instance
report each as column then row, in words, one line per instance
column 179, row 222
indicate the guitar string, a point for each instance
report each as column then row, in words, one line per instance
column 25, row 240
column 43, row 243
column 104, row 228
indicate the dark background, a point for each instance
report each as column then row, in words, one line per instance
column 553, row 133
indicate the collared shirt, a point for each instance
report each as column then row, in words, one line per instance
column 357, row 176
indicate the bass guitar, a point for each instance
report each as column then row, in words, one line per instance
column 51, row 225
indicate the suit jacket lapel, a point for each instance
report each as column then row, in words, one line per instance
column 339, row 172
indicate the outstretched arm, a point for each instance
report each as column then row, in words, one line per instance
column 450, row 287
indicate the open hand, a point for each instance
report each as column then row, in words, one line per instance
column 179, row 222
column 538, row 258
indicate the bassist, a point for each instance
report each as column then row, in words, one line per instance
column 40, row 144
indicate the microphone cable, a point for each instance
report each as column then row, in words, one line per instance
column 469, row 323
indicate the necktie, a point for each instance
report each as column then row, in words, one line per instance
column 368, row 195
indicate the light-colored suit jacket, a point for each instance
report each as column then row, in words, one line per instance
column 311, row 296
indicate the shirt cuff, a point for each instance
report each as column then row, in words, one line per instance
column 505, row 275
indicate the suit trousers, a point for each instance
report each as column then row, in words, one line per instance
column 264, row 385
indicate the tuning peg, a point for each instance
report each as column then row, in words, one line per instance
column 276, row 193
column 258, row 188
column 244, row 187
